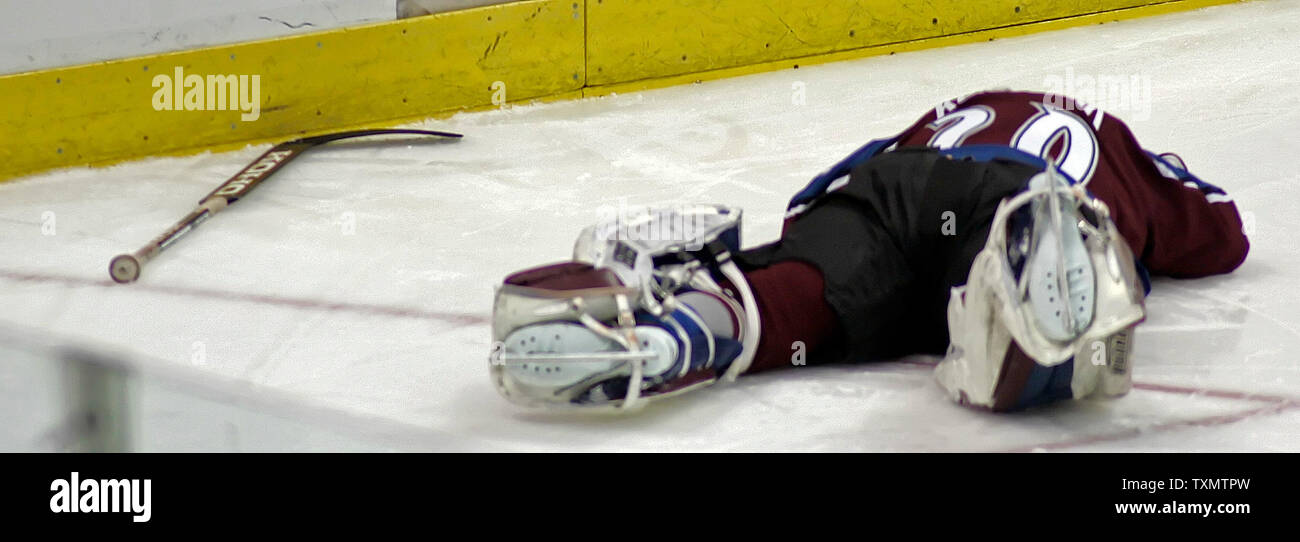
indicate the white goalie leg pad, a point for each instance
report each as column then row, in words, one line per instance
column 632, row 244
column 560, row 361
column 1006, row 323
column 1102, row 368
column 620, row 324
column 968, row 372
column 1059, row 279
column 569, row 334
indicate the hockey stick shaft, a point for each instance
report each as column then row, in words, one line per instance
column 126, row 267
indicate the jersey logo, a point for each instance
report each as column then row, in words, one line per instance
column 1053, row 127
column 952, row 130
column 1042, row 135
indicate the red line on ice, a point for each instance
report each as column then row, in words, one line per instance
column 297, row 303
column 1206, row 421
column 1209, row 392
column 1167, row 388
column 1276, row 404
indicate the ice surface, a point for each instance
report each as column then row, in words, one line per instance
column 389, row 320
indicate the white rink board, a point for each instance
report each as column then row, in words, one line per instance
column 389, row 321
column 42, row 35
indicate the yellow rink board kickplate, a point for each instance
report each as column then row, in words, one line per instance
column 632, row 40
column 309, row 83
column 772, row 46
column 402, row 71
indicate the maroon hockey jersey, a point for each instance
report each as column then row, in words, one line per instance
column 1176, row 224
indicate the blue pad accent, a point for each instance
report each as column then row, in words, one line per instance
column 1144, row 275
column 726, row 351
column 697, row 339
column 1047, row 385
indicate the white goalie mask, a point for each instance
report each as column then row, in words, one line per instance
column 1055, row 281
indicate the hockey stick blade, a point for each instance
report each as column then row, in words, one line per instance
column 126, row 268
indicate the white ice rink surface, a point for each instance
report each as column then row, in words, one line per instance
column 390, row 321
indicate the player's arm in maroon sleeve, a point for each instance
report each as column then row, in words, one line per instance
column 1193, row 227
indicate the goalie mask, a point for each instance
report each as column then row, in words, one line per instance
column 1048, row 308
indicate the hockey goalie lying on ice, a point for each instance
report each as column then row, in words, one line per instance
column 956, row 238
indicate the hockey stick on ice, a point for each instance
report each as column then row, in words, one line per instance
column 126, row 267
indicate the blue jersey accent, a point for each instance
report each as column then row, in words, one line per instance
column 1184, row 175
column 989, row 153
column 819, row 183
column 979, row 153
